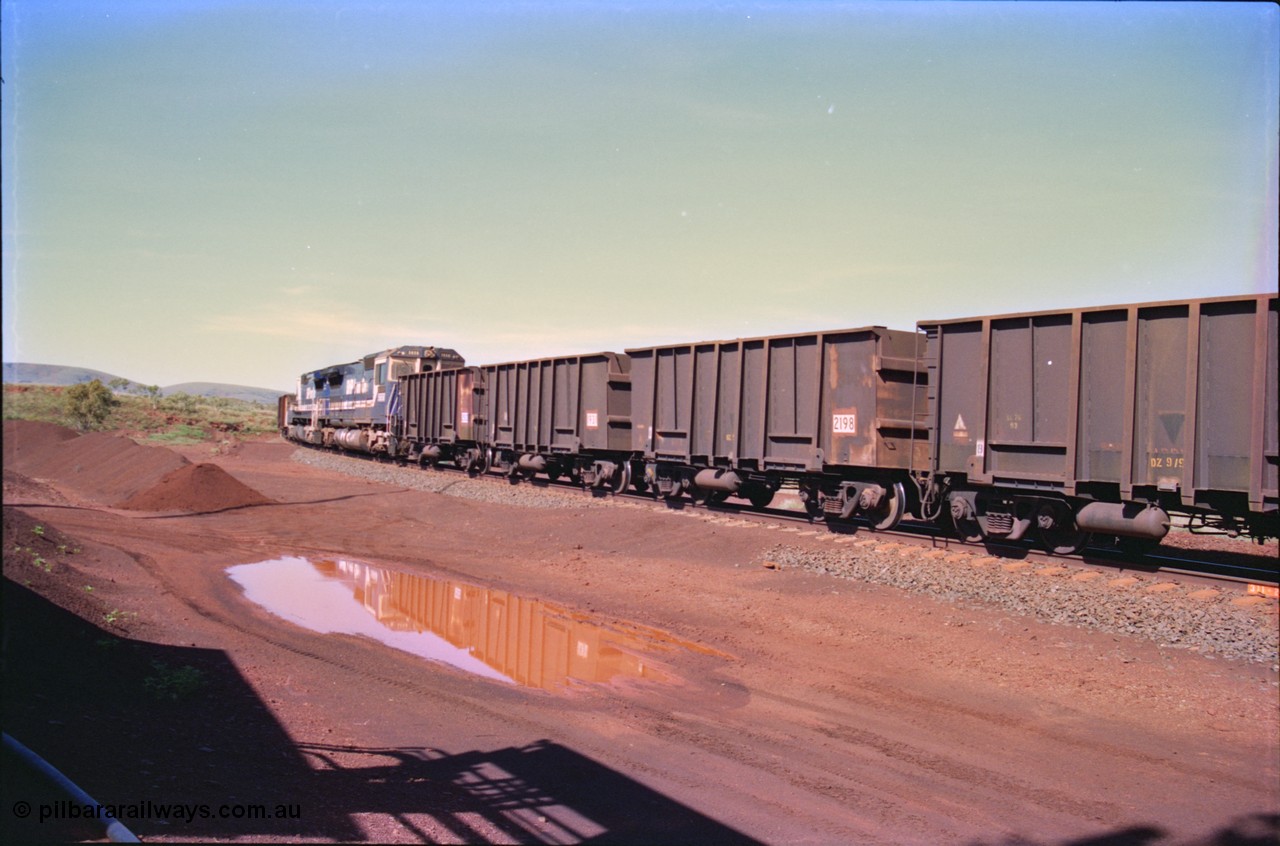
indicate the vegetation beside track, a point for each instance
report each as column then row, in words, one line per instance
column 164, row 420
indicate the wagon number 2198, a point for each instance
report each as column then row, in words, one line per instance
column 844, row 424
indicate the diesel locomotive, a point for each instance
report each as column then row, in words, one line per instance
column 357, row 406
column 1049, row 426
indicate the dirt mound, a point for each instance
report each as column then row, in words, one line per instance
column 24, row 438
column 24, row 489
column 195, row 487
column 101, row 467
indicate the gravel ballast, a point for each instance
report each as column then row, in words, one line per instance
column 449, row 482
column 1212, row 622
column 1220, row 623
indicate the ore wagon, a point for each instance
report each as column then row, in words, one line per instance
column 445, row 416
column 563, row 416
column 839, row 415
column 1106, row 420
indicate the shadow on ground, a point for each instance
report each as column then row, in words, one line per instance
column 539, row 793
column 178, row 742
column 1252, row 830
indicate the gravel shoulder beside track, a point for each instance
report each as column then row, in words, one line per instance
column 1206, row 620
column 450, row 482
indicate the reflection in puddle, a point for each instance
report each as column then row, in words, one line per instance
column 488, row 632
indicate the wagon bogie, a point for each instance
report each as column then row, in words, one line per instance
column 882, row 501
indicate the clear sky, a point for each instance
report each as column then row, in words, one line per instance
column 241, row 191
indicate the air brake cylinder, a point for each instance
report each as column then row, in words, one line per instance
column 1126, row 520
column 718, row 480
column 529, row 461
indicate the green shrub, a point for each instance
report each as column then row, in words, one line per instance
column 89, row 404
column 173, row 684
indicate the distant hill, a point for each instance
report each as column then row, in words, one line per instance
column 216, row 389
column 18, row 373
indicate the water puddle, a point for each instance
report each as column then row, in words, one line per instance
column 484, row 631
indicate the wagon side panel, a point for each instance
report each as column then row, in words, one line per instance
column 1229, row 367
column 642, row 399
column 1026, row 429
column 702, row 435
column 961, row 394
column 565, row 385
column 617, row 402
column 1101, row 449
column 902, row 434
column 1160, row 397
column 754, row 387
column 849, row 390
column 728, row 404
column 673, row 411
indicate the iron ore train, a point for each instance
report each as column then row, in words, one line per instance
column 1047, row 427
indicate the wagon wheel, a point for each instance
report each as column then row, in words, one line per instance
column 477, row 463
column 892, row 511
column 812, row 503
column 1059, row 533
column 1064, row 541
column 639, row 485
column 966, row 525
column 759, row 495
column 621, row 477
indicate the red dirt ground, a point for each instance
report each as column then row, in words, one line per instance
column 819, row 711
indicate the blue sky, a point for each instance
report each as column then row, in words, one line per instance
column 237, row 192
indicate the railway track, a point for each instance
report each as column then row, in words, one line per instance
column 1229, row 569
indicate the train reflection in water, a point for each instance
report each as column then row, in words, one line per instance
column 484, row 631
